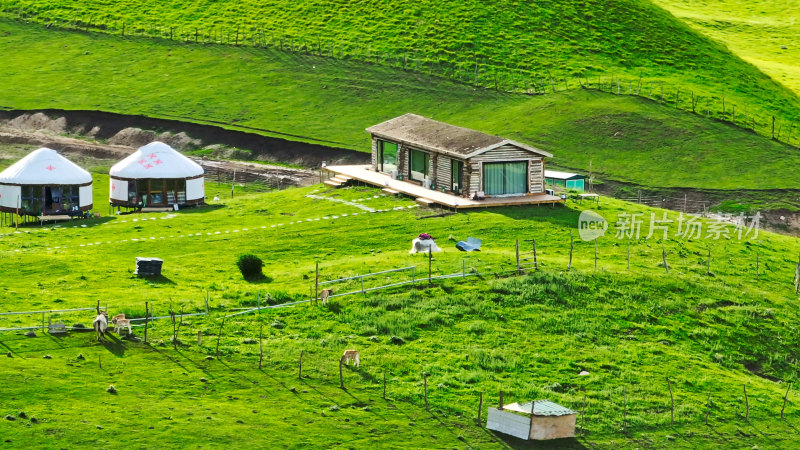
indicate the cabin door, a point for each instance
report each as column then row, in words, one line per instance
column 508, row 178
column 457, row 175
column 387, row 157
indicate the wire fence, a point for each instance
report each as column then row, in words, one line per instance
column 469, row 69
column 682, row 204
column 250, row 181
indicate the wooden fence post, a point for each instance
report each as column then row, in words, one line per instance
column 430, row 258
column 260, row 343
column 174, row 332
column 425, row 380
column 624, row 407
column 480, row 408
column 530, row 423
column 219, row 335
column 785, row 397
column 583, row 414
column 664, row 256
column 146, row 319
column 501, row 400
column 757, row 262
column 746, row 405
column 797, row 277
column 629, row 256
column 199, row 337
column 341, row 375
column 535, row 261
column 571, row 248
column 708, row 263
column 316, row 283
column 672, row 404
column 300, row 371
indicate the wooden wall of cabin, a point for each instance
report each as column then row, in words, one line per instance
column 402, row 160
column 374, row 153
column 536, row 175
column 441, row 172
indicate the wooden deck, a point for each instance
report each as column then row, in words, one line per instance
column 428, row 196
column 55, row 218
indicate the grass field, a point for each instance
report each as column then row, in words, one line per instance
column 529, row 336
column 763, row 33
column 622, row 137
column 706, row 317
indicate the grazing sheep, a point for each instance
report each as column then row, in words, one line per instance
column 351, row 356
column 324, row 294
column 120, row 321
column 100, row 325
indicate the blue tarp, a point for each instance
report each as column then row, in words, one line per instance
column 471, row 245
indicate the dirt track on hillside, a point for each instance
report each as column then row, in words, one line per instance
column 41, row 131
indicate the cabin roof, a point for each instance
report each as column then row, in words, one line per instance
column 432, row 135
column 555, row 174
column 540, row 408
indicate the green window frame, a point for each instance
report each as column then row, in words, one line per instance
column 457, row 175
column 418, row 165
column 387, row 156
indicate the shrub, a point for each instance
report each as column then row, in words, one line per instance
column 250, row 265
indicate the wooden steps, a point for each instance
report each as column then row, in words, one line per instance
column 337, row 181
column 425, row 202
column 390, row 191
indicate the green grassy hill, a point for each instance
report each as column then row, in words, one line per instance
column 763, row 33
column 623, row 137
column 530, row 336
column 625, row 38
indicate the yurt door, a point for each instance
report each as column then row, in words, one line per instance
column 157, row 192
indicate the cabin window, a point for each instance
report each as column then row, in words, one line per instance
column 419, row 165
column 507, row 178
column 387, row 156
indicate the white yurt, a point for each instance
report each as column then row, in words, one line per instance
column 45, row 183
column 156, row 175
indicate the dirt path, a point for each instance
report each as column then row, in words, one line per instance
column 135, row 131
column 45, row 135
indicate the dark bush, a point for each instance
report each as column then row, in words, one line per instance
column 250, row 265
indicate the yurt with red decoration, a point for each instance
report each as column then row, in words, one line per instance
column 156, row 175
column 44, row 183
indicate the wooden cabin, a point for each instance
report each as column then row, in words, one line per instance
column 456, row 160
